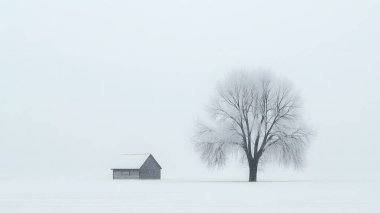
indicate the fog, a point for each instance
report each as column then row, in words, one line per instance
column 84, row 81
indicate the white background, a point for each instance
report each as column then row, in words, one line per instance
column 84, row 81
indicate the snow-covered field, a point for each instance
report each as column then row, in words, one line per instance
column 188, row 196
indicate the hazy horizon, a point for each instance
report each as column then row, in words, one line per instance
column 84, row 81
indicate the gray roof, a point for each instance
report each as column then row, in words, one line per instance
column 131, row 161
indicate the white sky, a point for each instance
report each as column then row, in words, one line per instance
column 83, row 81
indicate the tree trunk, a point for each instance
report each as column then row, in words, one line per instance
column 253, row 171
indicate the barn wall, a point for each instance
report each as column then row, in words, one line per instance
column 126, row 174
column 150, row 169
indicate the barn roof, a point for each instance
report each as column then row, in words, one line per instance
column 131, row 161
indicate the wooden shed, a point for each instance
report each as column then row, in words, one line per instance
column 137, row 166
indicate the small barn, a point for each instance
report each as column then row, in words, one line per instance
column 137, row 166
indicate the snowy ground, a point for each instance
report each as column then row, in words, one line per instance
column 188, row 196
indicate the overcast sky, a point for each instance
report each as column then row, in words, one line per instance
column 83, row 81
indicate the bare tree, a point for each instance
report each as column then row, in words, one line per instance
column 256, row 116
